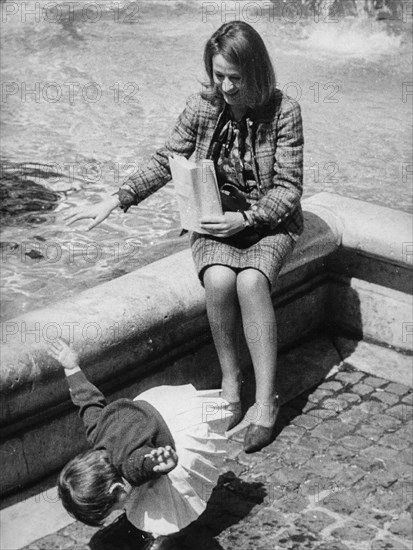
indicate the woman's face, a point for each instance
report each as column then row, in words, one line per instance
column 228, row 79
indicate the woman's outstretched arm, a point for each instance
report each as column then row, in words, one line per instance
column 151, row 177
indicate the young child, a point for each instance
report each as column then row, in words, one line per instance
column 158, row 456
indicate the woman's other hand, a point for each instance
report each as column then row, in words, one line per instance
column 223, row 226
column 98, row 212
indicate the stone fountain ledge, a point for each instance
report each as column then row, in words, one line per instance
column 349, row 274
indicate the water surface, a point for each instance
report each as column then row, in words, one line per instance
column 90, row 100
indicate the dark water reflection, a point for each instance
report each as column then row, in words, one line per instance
column 85, row 101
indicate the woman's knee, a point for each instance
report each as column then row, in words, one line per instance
column 219, row 279
column 251, row 282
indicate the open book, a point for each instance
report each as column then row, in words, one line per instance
column 196, row 190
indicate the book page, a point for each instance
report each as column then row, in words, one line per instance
column 196, row 189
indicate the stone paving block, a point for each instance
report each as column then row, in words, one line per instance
column 331, row 430
column 333, row 385
column 317, row 488
column 322, row 466
column 316, row 444
column 385, row 397
column 265, row 468
column 374, row 382
column 332, row 546
column 290, row 435
column 354, row 416
column 382, row 478
column 379, row 453
column 57, row 541
column 279, row 446
column 398, row 389
column 314, row 520
column 318, row 415
column 269, row 517
column 372, row 407
column 350, row 397
column 406, row 456
column 408, row 398
column 293, row 538
column 350, row 476
column 275, row 493
column 293, row 503
column 362, row 389
column 368, row 515
column 395, row 441
column 344, row 502
column 403, row 526
column 369, row 431
column 354, row 531
column 317, row 395
column 334, row 403
column 388, row 544
column 308, row 421
column 406, row 430
column 384, row 421
column 250, row 460
column 351, row 377
column 339, row 453
column 297, row 456
column 403, row 412
column 392, row 499
column 291, row 477
column 325, row 413
column 403, row 471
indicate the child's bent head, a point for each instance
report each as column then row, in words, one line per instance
column 90, row 487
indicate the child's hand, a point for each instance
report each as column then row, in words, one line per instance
column 166, row 459
column 66, row 356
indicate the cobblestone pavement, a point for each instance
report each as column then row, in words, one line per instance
column 337, row 477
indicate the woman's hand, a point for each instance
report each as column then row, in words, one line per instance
column 165, row 458
column 98, row 212
column 223, row 226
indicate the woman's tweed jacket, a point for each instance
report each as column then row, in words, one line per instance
column 277, row 143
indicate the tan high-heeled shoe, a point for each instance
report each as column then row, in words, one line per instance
column 257, row 437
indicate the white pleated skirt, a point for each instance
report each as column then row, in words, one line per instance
column 197, row 421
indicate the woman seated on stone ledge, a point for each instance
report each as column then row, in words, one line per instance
column 254, row 135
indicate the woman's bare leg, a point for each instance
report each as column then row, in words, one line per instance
column 224, row 318
column 260, row 329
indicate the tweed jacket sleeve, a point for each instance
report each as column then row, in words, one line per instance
column 283, row 198
column 156, row 173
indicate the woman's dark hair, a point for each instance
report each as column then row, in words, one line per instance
column 241, row 45
column 84, row 487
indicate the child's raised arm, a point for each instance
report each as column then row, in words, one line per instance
column 66, row 356
column 83, row 393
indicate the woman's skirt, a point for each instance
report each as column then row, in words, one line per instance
column 197, row 421
column 268, row 255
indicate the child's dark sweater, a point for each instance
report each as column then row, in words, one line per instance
column 126, row 429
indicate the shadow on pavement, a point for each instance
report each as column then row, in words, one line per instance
column 230, row 501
